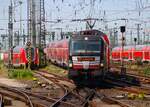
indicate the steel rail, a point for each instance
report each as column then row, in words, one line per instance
column 28, row 100
column 88, row 98
column 1, row 100
column 110, row 100
column 84, row 103
column 127, row 86
column 56, row 76
column 66, row 92
column 60, row 99
column 52, row 80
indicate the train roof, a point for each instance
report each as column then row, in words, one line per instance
column 60, row 43
column 91, row 34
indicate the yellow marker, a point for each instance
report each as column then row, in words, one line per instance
column 38, row 83
column 34, row 79
column 141, row 96
column 131, row 96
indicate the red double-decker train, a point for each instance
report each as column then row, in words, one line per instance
column 85, row 53
column 132, row 53
column 21, row 56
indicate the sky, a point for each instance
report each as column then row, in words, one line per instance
column 136, row 11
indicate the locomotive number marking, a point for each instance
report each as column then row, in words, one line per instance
column 86, row 59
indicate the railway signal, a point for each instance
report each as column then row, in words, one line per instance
column 135, row 40
column 123, row 69
column 28, row 44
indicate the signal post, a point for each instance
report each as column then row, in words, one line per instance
column 123, row 68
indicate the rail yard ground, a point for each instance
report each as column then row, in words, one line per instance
column 51, row 87
column 136, row 68
column 74, row 53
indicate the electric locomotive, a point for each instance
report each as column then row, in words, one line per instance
column 86, row 53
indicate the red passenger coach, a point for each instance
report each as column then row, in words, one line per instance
column 132, row 53
column 85, row 53
column 20, row 56
column 57, row 52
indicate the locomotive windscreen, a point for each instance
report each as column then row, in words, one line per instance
column 86, row 46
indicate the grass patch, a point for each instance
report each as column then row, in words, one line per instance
column 147, row 71
column 133, row 66
column 15, row 73
column 55, row 69
column 20, row 74
column 3, row 69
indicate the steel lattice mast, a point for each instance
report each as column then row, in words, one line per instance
column 31, row 38
column 36, row 27
column 42, row 41
column 10, row 31
column 31, row 22
column 29, row 27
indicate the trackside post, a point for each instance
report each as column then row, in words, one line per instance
column 123, row 69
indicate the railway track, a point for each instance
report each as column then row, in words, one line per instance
column 132, row 86
column 31, row 99
column 15, row 93
column 133, row 73
column 62, row 82
column 48, row 100
column 123, row 98
column 57, row 76
column 87, row 99
column 56, row 80
column 77, row 97
column 142, row 78
column 129, row 96
column 110, row 100
column 71, row 97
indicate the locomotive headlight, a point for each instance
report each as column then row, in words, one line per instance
column 86, row 38
column 101, row 65
column 70, row 65
column 70, row 62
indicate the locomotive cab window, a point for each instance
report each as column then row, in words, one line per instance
column 86, row 46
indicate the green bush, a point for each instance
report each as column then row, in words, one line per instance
column 20, row 74
column 139, row 61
